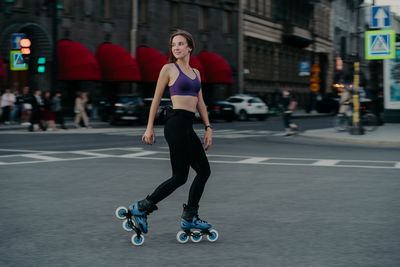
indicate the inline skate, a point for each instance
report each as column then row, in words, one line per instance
column 135, row 219
column 194, row 228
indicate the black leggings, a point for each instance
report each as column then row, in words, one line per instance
column 185, row 151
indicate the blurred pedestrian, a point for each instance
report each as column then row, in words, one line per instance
column 345, row 102
column 80, row 110
column 289, row 105
column 7, row 104
column 56, row 104
column 48, row 116
column 186, row 149
column 36, row 122
column 26, row 107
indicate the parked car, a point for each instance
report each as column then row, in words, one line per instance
column 221, row 110
column 247, row 106
column 165, row 104
column 123, row 108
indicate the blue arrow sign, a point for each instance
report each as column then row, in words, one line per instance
column 380, row 17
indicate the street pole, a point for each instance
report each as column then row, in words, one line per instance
column 356, row 127
column 55, row 40
column 240, row 48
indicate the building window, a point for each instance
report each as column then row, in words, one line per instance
column 203, row 19
column 19, row 3
column 175, row 14
column 88, row 7
column 107, row 9
column 143, row 11
column 227, row 22
column 67, row 7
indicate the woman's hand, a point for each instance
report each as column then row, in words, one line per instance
column 149, row 137
column 208, row 138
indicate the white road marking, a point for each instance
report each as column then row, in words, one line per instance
column 41, row 157
column 141, row 154
column 326, row 162
column 252, row 160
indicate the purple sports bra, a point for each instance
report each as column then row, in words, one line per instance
column 185, row 85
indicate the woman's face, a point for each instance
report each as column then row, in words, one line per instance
column 179, row 47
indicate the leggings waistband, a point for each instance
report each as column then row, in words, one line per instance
column 186, row 113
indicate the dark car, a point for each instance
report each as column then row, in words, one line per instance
column 165, row 104
column 221, row 110
column 123, row 108
column 327, row 103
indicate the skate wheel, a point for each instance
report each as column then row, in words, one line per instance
column 127, row 226
column 121, row 212
column 137, row 240
column 196, row 236
column 182, row 237
column 213, row 236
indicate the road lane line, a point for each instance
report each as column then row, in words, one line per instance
column 138, row 154
column 252, row 160
column 326, row 162
column 397, row 165
column 88, row 153
column 41, row 157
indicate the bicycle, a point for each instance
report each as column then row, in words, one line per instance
column 368, row 120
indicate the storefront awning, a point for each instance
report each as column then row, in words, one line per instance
column 150, row 63
column 76, row 62
column 2, row 68
column 216, row 69
column 195, row 63
column 116, row 63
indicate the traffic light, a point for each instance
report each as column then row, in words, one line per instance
column 25, row 44
column 41, row 64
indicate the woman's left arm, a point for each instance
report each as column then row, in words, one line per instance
column 201, row 107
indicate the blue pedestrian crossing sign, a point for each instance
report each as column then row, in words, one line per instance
column 380, row 17
column 380, row 44
column 17, row 62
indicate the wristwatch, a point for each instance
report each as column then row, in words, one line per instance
column 207, row 126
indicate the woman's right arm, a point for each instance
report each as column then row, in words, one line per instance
column 162, row 82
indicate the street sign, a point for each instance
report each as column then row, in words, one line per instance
column 304, row 68
column 380, row 44
column 15, row 40
column 380, row 17
column 17, row 61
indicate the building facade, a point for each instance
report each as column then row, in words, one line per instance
column 279, row 37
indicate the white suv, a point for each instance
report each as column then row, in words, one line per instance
column 248, row 106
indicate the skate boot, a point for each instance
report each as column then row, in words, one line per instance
column 140, row 210
column 192, row 226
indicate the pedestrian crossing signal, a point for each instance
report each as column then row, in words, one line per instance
column 41, row 65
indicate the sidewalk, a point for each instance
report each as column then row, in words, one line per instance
column 387, row 134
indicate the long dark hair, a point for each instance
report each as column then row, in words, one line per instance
column 189, row 39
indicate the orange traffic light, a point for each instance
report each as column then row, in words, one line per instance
column 25, row 46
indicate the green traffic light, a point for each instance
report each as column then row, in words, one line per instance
column 41, row 69
column 41, row 60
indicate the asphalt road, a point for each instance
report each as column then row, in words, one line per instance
column 275, row 200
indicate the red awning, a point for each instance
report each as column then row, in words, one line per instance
column 216, row 69
column 76, row 62
column 195, row 63
column 116, row 63
column 2, row 68
column 150, row 62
